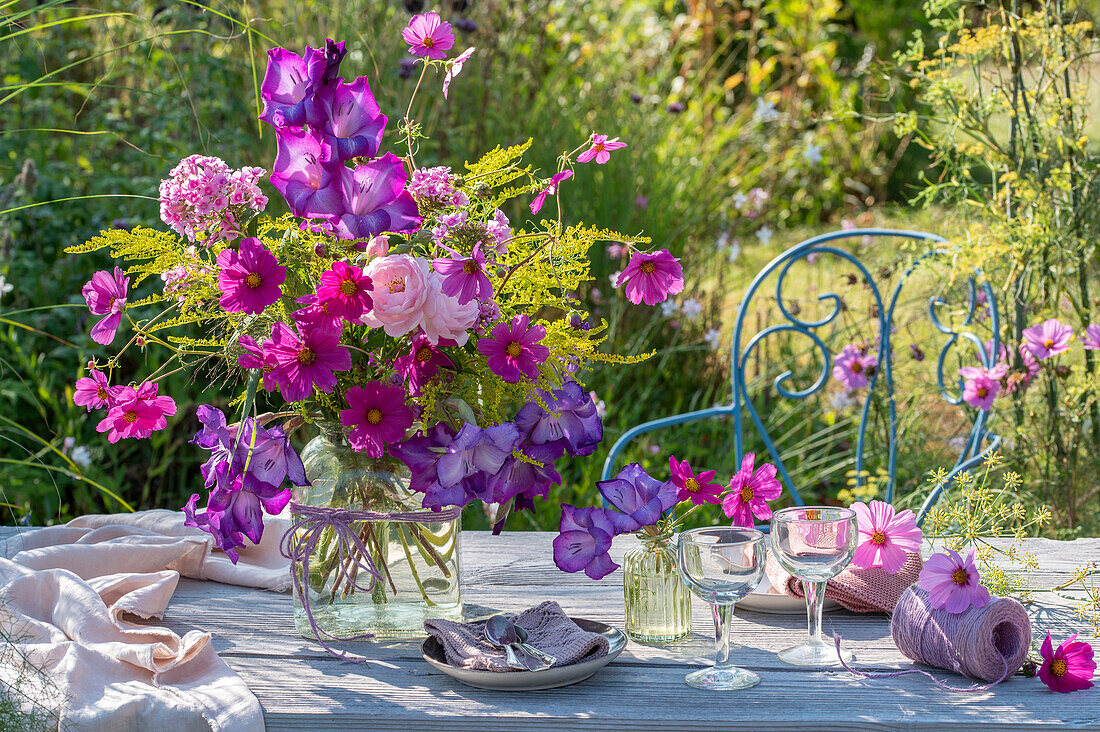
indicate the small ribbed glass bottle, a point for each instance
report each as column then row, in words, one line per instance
column 658, row 604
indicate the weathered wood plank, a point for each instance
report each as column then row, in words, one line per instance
column 301, row 687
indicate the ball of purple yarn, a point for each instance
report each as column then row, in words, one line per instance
column 987, row 643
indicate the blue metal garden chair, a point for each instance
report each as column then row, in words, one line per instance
column 979, row 441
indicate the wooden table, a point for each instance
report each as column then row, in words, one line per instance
column 303, row 688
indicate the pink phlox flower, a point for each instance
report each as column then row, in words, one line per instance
column 953, row 583
column 500, row 230
column 651, row 277
column 428, row 36
column 306, row 360
column 377, row 415
column 455, row 68
column 464, row 277
column 1069, row 668
column 750, row 491
column 249, row 278
column 106, row 294
column 852, row 367
column 1047, row 339
column 515, row 350
column 551, row 189
column 886, row 538
column 693, row 487
column 345, row 291
column 601, row 149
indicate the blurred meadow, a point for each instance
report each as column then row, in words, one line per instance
column 751, row 125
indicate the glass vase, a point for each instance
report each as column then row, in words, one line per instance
column 658, row 605
column 418, row 560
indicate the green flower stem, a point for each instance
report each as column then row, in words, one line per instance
column 412, row 568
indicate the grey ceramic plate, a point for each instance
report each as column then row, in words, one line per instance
column 766, row 599
column 551, row 678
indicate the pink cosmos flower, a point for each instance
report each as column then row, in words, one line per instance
column 105, row 294
column 377, row 415
column 136, row 413
column 885, row 538
column 600, row 150
column 465, row 278
column 94, row 392
column 249, row 278
column 651, row 277
column 515, row 351
column 750, row 491
column 551, row 189
column 446, row 321
column 852, row 367
column 1047, row 339
column 696, row 488
column 429, row 36
column 1090, row 337
column 316, row 314
column 981, row 386
column 305, row 361
column 345, row 291
column 455, row 69
column 953, row 583
column 421, row 363
column 1070, row 668
column 401, row 287
column 254, row 357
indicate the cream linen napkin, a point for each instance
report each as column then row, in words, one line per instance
column 63, row 599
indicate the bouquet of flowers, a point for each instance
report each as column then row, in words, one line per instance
column 395, row 307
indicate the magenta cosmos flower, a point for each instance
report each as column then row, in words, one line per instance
column 464, row 277
column 1047, row 339
column 651, row 277
column 421, row 363
column 305, row 361
column 750, row 491
column 253, row 357
column 344, row 291
column 886, row 538
column 551, row 189
column 981, row 385
column 249, row 278
column 455, row 68
column 1070, row 668
column 514, row 351
column 94, row 392
column 136, row 413
column 691, row 487
column 953, row 583
column 852, row 367
column 600, row 150
column 428, row 36
column 1090, row 337
column 377, row 415
column 105, row 294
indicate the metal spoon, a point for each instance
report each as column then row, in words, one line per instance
column 545, row 657
column 501, row 633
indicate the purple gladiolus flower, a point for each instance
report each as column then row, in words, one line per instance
column 374, row 200
column 583, row 542
column 354, row 124
column 524, row 481
column 421, row 453
column 641, row 498
column 475, row 449
column 310, row 187
column 575, row 422
column 464, row 278
column 1047, row 339
column 270, row 458
column 289, row 86
column 105, row 294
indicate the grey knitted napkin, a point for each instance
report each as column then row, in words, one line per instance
column 548, row 628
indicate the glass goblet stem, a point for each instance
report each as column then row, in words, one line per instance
column 723, row 614
column 815, row 601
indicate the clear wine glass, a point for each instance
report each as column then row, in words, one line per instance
column 814, row 544
column 722, row 565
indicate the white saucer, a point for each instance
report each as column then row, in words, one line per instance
column 767, row 599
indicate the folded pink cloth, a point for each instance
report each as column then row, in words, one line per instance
column 66, row 592
column 859, row 590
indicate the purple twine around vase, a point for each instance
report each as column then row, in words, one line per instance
column 988, row 643
column 312, row 522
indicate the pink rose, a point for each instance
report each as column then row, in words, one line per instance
column 401, row 289
column 378, row 246
column 444, row 318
